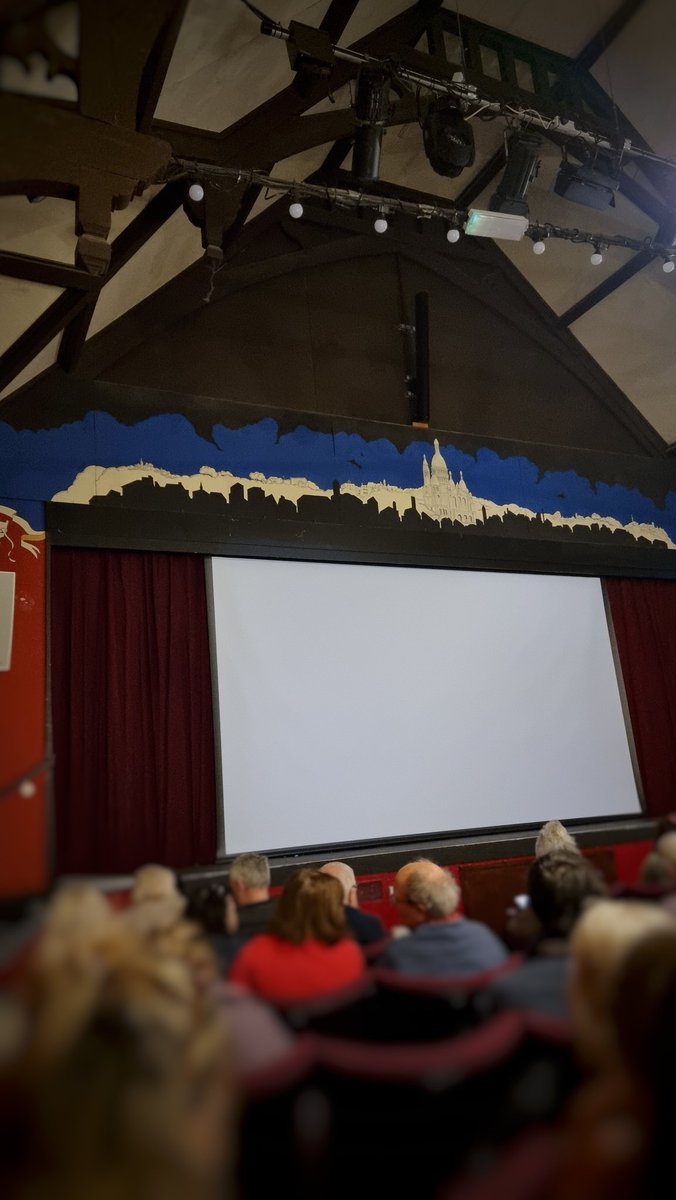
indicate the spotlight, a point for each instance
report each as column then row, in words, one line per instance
column 592, row 183
column 668, row 266
column 370, row 114
column 596, row 258
column 380, row 224
column 522, row 166
column 295, row 209
column 448, row 138
column 539, row 247
column 196, row 192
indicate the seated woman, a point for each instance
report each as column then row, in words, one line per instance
column 307, row 951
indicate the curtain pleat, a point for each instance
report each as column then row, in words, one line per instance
column 132, row 711
column 644, row 619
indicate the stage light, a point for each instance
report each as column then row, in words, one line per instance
column 371, row 111
column 295, row 209
column 448, row 138
column 452, row 234
column 539, row 247
column 596, row 258
column 380, row 224
column 196, row 192
column 668, row 266
column 592, row 184
column 522, row 166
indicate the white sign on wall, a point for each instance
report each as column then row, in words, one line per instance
column 7, row 581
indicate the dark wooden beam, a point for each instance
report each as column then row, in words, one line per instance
column 337, row 17
column 607, row 287
column 485, row 176
column 45, row 270
column 156, row 67
column 607, row 34
column 75, row 335
column 74, row 300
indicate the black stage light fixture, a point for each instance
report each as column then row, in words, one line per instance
column 523, row 163
column 593, row 183
column 448, row 138
column 371, row 111
column 310, row 49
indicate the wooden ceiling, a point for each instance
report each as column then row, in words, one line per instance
column 100, row 98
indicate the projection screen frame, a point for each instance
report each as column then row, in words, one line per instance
column 417, row 839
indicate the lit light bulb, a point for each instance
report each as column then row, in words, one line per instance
column 596, row 258
column 539, row 247
column 296, row 210
column 196, row 192
column 27, row 789
column 380, row 224
column 668, row 266
column 453, row 235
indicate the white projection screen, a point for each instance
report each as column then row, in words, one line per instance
column 368, row 702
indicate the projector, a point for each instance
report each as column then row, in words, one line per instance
column 506, row 226
column 586, row 185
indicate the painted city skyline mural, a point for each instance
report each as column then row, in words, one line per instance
column 102, row 460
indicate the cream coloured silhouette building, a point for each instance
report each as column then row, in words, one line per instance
column 441, row 497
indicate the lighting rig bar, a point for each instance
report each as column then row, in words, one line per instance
column 348, row 198
column 467, row 93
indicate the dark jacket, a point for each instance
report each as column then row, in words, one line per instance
column 366, row 928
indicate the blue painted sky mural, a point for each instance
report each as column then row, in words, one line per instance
column 36, row 465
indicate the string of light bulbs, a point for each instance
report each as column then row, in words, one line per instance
column 385, row 208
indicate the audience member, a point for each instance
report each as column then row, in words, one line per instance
column 207, row 907
column 657, row 872
column 131, row 1094
column 601, row 940
column 666, row 848
column 554, row 836
column 366, row 929
column 155, row 901
column 559, row 885
column 441, row 941
column 308, row 951
column 249, row 883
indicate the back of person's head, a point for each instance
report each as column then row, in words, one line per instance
column 310, row 907
column 644, row 1010
column 76, row 914
column 206, row 906
column 554, row 836
column 133, row 1097
column 156, row 903
column 559, row 884
column 656, row 871
column 427, row 889
column 344, row 874
column 250, row 870
column 666, row 848
column 153, row 882
column 599, row 944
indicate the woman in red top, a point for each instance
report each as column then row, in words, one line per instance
column 308, row 951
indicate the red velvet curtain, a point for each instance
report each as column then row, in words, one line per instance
column 644, row 619
column 132, row 711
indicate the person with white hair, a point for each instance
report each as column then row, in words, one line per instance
column 249, row 883
column 367, row 929
column 442, row 942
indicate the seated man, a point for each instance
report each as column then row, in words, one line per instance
column 365, row 928
column 441, row 941
column 249, row 880
column 560, row 885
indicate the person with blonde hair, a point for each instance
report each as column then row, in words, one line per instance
column 441, row 941
column 308, row 951
column 554, row 836
column 600, row 942
column 130, row 1096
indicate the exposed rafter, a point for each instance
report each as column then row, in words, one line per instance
column 72, row 301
